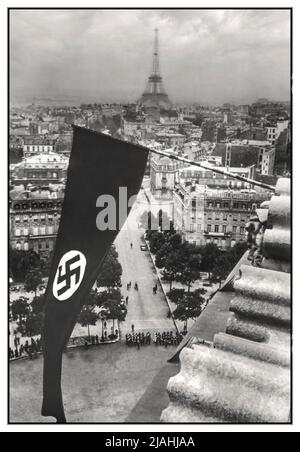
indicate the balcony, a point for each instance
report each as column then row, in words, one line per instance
column 217, row 234
column 42, row 236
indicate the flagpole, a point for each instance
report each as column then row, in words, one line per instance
column 214, row 169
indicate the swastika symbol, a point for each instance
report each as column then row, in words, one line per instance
column 69, row 275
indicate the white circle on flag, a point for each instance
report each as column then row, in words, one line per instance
column 69, row 275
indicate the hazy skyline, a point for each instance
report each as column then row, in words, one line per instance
column 106, row 55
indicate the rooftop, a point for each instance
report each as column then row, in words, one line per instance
column 169, row 134
column 237, row 170
column 50, row 157
column 17, row 195
column 38, row 140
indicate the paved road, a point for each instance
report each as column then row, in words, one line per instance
column 102, row 384
column 146, row 311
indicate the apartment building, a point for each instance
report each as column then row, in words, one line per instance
column 213, row 215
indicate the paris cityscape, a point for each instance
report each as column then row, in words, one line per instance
column 189, row 318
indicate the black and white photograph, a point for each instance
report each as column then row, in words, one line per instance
column 149, row 217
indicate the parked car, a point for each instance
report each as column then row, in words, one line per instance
column 143, row 248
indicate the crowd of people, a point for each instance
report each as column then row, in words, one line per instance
column 140, row 339
column 29, row 349
column 168, row 338
column 96, row 340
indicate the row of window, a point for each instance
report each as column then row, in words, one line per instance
column 42, row 175
column 38, row 166
column 36, row 205
column 45, row 245
column 217, row 216
column 235, row 205
column 49, row 230
column 218, row 228
column 206, row 175
column 221, row 243
column 42, row 218
column 44, row 148
column 224, row 229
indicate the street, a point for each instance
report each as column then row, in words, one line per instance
column 102, row 384
column 145, row 310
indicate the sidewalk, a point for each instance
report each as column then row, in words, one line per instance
column 74, row 342
column 176, row 285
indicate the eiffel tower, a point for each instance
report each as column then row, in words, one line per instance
column 155, row 95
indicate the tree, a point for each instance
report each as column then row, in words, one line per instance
column 103, row 297
column 226, row 261
column 181, row 262
column 33, row 280
column 88, row 317
column 173, row 242
column 173, row 267
column 92, row 299
column 46, row 264
column 115, row 311
column 190, row 259
column 21, row 262
column 189, row 305
column 114, row 252
column 222, row 268
column 209, row 254
column 38, row 304
column 111, row 271
column 237, row 251
column 157, row 240
column 111, row 306
column 20, row 309
column 33, row 325
column 162, row 255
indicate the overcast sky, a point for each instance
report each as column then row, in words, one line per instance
column 205, row 56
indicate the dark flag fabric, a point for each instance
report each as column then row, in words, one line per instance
column 99, row 168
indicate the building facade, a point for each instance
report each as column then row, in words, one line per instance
column 40, row 170
column 37, row 145
column 163, row 176
column 271, row 134
column 214, row 216
column 213, row 132
column 171, row 139
column 248, row 153
column 34, row 221
column 209, row 178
